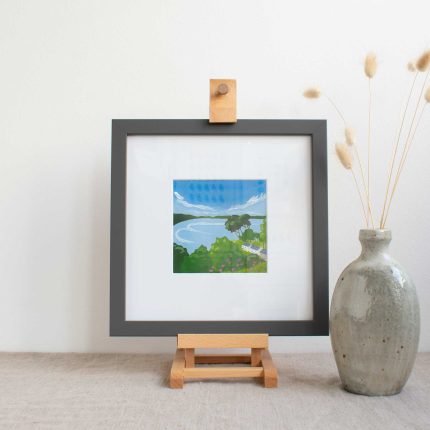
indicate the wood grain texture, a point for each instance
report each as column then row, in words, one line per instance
column 256, row 356
column 223, row 372
column 177, row 370
column 223, row 340
column 184, row 363
column 189, row 357
column 270, row 377
column 222, row 105
column 222, row 359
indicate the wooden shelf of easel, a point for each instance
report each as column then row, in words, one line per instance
column 260, row 361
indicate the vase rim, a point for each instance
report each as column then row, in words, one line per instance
column 377, row 233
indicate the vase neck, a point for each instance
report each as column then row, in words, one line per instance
column 374, row 242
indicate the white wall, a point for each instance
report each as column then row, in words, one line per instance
column 67, row 68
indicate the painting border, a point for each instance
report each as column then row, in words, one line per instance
column 316, row 129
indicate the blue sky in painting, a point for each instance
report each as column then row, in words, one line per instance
column 219, row 197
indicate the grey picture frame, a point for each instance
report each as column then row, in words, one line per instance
column 316, row 129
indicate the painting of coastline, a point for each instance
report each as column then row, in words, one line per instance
column 219, row 226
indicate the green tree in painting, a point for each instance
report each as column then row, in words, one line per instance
column 237, row 224
column 179, row 255
column 263, row 233
column 249, row 235
column 226, row 256
column 232, row 223
column 252, row 260
column 198, row 262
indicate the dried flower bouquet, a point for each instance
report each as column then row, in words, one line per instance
column 347, row 151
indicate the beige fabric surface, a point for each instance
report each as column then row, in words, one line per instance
column 121, row 391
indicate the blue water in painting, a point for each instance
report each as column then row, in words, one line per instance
column 204, row 231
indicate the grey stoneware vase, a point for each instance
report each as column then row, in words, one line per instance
column 374, row 320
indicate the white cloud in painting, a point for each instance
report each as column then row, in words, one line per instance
column 251, row 202
column 181, row 200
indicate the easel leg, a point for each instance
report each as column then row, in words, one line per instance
column 256, row 356
column 270, row 378
column 177, row 371
column 190, row 360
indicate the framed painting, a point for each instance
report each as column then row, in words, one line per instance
column 219, row 228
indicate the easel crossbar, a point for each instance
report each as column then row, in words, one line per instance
column 222, row 359
column 223, row 341
column 223, row 372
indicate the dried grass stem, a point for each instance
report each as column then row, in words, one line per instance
column 335, row 108
column 408, row 142
column 396, row 147
column 361, row 198
column 368, row 143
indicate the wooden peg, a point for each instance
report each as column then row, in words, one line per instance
column 222, row 103
column 222, row 89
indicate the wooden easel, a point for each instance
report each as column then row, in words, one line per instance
column 185, row 361
column 222, row 109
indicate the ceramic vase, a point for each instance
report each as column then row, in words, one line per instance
column 374, row 320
